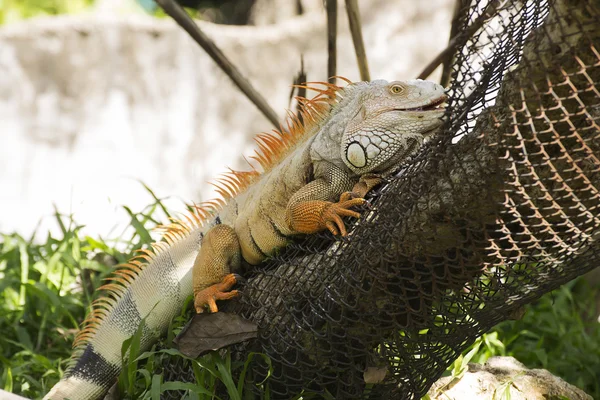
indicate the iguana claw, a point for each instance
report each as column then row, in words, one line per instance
column 218, row 291
column 331, row 215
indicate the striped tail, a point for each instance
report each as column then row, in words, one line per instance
column 153, row 289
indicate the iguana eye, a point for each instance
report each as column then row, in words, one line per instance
column 396, row 89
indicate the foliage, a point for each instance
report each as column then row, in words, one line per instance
column 560, row 333
column 45, row 292
column 46, row 289
column 44, row 297
column 14, row 10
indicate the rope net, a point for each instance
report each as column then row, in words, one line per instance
column 501, row 208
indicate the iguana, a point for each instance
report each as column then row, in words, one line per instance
column 344, row 141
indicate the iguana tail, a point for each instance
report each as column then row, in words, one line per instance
column 153, row 286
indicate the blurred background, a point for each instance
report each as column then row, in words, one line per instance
column 100, row 96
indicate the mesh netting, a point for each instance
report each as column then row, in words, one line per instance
column 500, row 209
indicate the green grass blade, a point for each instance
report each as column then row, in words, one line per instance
column 155, row 389
column 140, row 229
column 224, row 368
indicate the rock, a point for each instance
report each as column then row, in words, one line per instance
column 505, row 377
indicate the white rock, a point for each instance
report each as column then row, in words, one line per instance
column 502, row 375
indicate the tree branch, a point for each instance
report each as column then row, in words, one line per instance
column 185, row 21
column 357, row 39
column 331, row 40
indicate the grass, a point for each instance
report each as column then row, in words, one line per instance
column 560, row 333
column 46, row 289
column 15, row 10
column 43, row 299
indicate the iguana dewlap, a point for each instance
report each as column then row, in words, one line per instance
column 346, row 140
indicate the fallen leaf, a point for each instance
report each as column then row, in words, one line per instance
column 213, row 331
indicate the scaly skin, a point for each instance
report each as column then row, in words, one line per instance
column 310, row 182
column 370, row 131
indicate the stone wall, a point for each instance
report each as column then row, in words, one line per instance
column 90, row 104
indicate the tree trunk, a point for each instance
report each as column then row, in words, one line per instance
column 501, row 209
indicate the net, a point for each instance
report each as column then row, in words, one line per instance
column 500, row 209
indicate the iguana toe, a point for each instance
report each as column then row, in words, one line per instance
column 331, row 216
column 218, row 291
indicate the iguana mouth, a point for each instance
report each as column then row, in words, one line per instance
column 434, row 105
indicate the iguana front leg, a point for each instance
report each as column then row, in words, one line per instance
column 311, row 216
column 219, row 254
column 311, row 210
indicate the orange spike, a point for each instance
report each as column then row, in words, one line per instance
column 146, row 252
column 116, row 279
column 102, row 313
column 174, row 235
column 101, row 304
column 161, row 246
column 137, row 269
column 225, row 187
column 169, row 239
column 195, row 216
column 348, row 81
column 200, row 209
column 91, row 322
column 112, row 288
column 129, row 276
column 321, row 91
column 140, row 260
column 175, row 225
column 189, row 220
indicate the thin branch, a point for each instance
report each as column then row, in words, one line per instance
column 299, row 7
column 185, row 21
column 459, row 8
column 299, row 80
column 331, row 40
column 446, row 55
column 359, row 45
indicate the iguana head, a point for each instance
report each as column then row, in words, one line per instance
column 391, row 121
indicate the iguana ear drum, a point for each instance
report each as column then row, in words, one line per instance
column 356, row 155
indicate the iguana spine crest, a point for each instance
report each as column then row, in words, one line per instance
column 272, row 147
